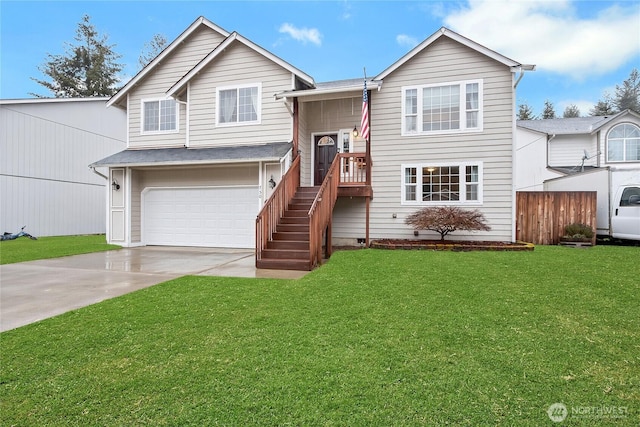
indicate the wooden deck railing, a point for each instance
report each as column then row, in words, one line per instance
column 275, row 206
column 354, row 169
column 321, row 211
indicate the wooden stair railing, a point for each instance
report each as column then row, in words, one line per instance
column 275, row 206
column 320, row 214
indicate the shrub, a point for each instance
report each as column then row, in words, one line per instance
column 447, row 219
column 577, row 231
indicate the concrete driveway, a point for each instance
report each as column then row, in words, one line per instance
column 36, row 290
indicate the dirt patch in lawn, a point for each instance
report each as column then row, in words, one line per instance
column 450, row 245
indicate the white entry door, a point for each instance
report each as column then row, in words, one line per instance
column 201, row 216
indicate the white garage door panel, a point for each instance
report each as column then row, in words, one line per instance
column 215, row 216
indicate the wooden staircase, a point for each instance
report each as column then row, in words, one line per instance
column 288, row 248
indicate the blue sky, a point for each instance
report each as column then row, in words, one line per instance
column 582, row 49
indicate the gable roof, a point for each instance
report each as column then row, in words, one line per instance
column 179, row 86
column 118, row 97
column 445, row 32
column 572, row 125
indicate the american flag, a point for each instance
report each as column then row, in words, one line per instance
column 364, row 124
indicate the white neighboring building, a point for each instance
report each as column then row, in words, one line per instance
column 46, row 146
column 553, row 148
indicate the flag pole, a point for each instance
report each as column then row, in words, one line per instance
column 367, row 159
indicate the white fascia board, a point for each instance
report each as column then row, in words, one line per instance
column 118, row 97
column 281, row 62
column 200, row 162
column 454, row 36
column 177, row 88
column 313, row 92
column 615, row 117
column 51, row 100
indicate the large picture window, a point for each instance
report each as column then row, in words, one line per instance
column 442, row 108
column 238, row 105
column 442, row 184
column 623, row 143
column 159, row 116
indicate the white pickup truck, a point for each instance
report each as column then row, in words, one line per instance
column 618, row 204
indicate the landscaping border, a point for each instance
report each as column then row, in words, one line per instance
column 455, row 246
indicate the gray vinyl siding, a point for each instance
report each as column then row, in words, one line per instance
column 349, row 220
column 161, row 79
column 239, row 65
column 304, row 144
column 443, row 61
column 241, row 174
column 45, row 150
column 568, row 150
column 328, row 116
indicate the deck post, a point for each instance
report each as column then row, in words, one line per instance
column 328, row 245
column 366, row 222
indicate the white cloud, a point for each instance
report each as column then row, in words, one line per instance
column 550, row 35
column 304, row 35
column 583, row 105
column 405, row 40
column 346, row 11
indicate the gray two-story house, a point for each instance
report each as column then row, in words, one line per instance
column 230, row 146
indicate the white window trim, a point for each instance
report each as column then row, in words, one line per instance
column 156, row 132
column 463, row 111
column 624, row 148
column 463, row 192
column 240, row 86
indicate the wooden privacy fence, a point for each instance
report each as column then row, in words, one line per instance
column 541, row 216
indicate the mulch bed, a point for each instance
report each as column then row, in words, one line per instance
column 450, row 245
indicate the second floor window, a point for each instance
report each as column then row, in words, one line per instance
column 239, row 105
column 623, row 143
column 442, row 108
column 159, row 116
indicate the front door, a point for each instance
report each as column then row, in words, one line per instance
column 326, row 147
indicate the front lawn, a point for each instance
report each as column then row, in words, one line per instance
column 24, row 249
column 374, row 337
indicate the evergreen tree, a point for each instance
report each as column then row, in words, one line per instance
column 88, row 68
column 571, row 111
column 604, row 107
column 628, row 95
column 152, row 49
column 548, row 112
column 525, row 112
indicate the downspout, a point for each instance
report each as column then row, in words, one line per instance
column 107, row 202
column 292, row 108
column 548, row 148
column 186, row 114
column 514, row 230
column 93, row 169
column 515, row 85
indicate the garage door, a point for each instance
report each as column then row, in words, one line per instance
column 207, row 216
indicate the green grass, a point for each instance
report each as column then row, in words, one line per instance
column 24, row 249
column 372, row 338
